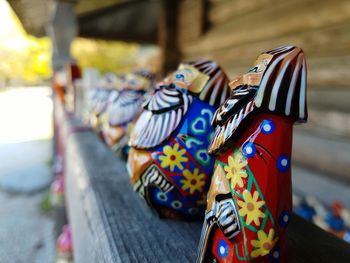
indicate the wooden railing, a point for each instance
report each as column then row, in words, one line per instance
column 111, row 223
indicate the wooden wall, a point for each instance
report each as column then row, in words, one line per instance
column 234, row 32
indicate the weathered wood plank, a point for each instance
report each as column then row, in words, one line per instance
column 191, row 20
column 168, row 35
column 283, row 19
column 326, row 49
column 110, row 223
column 224, row 10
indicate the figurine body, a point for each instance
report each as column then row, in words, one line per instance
column 168, row 162
column 250, row 198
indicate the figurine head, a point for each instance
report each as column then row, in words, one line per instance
column 168, row 162
column 249, row 201
column 98, row 98
column 275, row 84
column 124, row 106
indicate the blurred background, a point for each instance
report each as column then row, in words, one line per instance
column 38, row 38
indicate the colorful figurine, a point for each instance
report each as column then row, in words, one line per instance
column 250, row 197
column 99, row 97
column 335, row 221
column 168, row 162
column 57, row 191
column 64, row 246
column 124, row 107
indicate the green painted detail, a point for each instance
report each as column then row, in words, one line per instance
column 200, row 159
column 192, row 140
column 240, row 258
column 194, row 123
column 251, row 181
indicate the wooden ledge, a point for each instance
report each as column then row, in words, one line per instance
column 111, row 223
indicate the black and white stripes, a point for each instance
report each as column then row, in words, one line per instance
column 282, row 91
column 162, row 115
column 124, row 107
column 283, row 86
column 216, row 91
column 152, row 176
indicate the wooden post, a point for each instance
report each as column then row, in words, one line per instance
column 168, row 36
column 62, row 29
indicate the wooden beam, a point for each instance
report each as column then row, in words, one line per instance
column 111, row 223
column 169, row 36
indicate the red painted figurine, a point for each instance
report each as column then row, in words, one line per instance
column 250, row 198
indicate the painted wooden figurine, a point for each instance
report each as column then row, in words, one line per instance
column 99, row 97
column 250, row 199
column 125, row 105
column 64, row 246
column 168, row 162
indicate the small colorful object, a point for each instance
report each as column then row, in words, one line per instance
column 168, row 162
column 98, row 99
column 57, row 191
column 250, row 197
column 124, row 107
column 64, row 246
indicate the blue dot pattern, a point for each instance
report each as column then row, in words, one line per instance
column 275, row 255
column 283, row 163
column 267, row 126
column 222, row 248
column 284, row 219
column 248, row 149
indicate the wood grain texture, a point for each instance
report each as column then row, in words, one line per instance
column 240, row 30
column 111, row 223
column 191, row 21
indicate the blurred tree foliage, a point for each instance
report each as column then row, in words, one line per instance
column 23, row 57
column 26, row 58
column 105, row 55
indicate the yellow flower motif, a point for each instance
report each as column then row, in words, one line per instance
column 173, row 157
column 264, row 244
column 250, row 206
column 235, row 169
column 193, row 181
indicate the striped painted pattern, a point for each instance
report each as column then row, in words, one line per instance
column 282, row 90
column 283, row 86
column 168, row 105
column 124, row 107
column 223, row 215
column 101, row 101
column 152, row 177
column 162, row 115
column 216, row 91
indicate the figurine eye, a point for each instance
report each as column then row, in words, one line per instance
column 180, row 76
column 254, row 69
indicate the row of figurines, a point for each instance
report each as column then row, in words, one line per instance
column 201, row 141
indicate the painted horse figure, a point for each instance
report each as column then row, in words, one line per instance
column 168, row 162
column 250, row 199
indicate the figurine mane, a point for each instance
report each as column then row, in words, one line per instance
column 282, row 91
column 164, row 110
column 125, row 107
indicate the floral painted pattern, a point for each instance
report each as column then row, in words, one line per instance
column 250, row 207
column 264, row 244
column 173, row 157
column 193, row 181
column 235, row 170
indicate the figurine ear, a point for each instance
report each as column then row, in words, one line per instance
column 283, row 86
column 216, row 90
column 192, row 78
